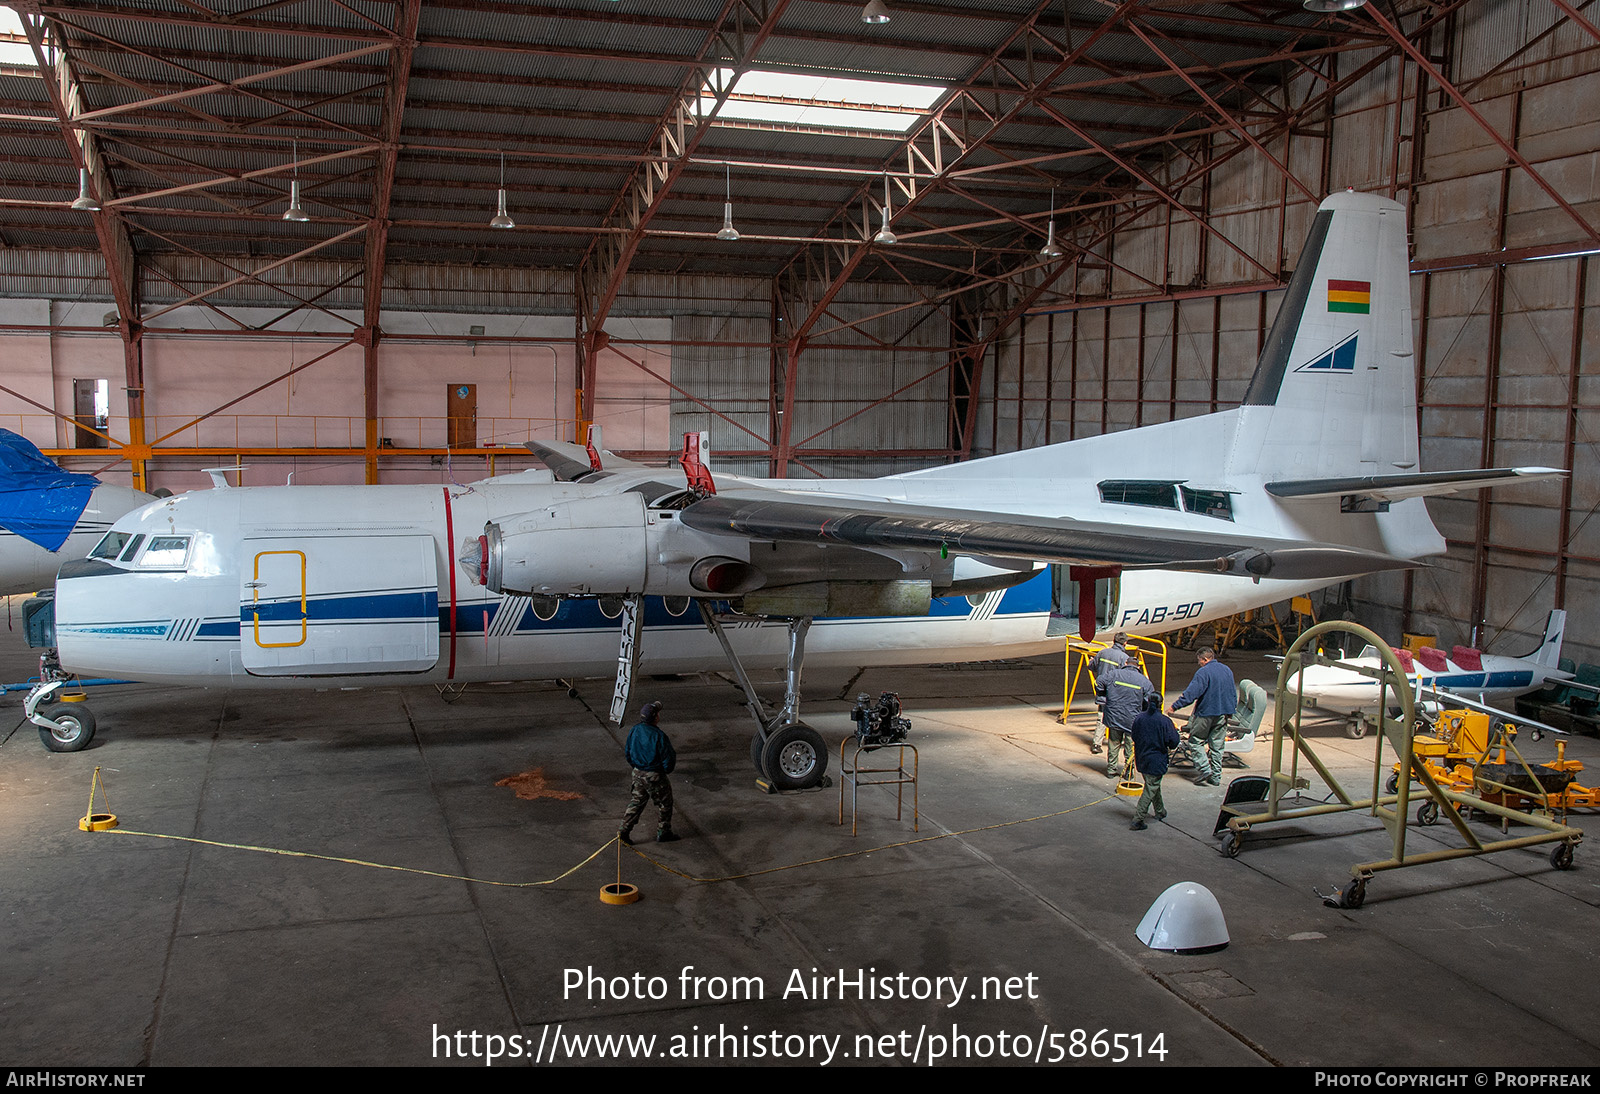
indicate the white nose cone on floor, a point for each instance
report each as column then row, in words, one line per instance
column 1184, row 919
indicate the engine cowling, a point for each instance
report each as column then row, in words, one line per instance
column 583, row 547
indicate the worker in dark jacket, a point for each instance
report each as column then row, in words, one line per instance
column 1124, row 691
column 1214, row 696
column 652, row 758
column 1154, row 736
column 1108, row 658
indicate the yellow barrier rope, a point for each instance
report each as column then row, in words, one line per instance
column 363, row 862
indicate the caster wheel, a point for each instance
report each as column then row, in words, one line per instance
column 1561, row 856
column 1355, row 894
column 1231, row 845
column 1428, row 813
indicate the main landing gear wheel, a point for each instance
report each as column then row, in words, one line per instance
column 77, row 727
column 758, row 744
column 794, row 757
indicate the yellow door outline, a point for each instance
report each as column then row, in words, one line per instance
column 255, row 594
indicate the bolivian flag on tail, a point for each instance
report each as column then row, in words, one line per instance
column 1350, row 296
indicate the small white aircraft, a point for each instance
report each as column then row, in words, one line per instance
column 48, row 514
column 1312, row 480
column 1464, row 676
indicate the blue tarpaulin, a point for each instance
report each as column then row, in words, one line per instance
column 38, row 500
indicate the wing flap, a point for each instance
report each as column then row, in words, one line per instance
column 886, row 524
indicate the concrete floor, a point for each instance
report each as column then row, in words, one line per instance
column 122, row 949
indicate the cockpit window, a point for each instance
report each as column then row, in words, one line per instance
column 111, row 546
column 166, row 552
column 133, row 549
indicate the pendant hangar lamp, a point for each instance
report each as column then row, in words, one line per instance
column 885, row 236
column 728, row 233
column 874, row 13
column 501, row 218
column 294, row 211
column 1331, row 7
column 1050, row 250
column 85, row 202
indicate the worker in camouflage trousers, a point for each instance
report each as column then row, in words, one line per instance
column 652, row 758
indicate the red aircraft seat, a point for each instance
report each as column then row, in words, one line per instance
column 1433, row 659
column 1467, row 658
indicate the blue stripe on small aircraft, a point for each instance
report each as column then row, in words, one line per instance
column 1522, row 679
column 1465, row 681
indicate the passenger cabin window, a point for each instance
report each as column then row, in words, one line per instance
column 1156, row 495
column 1211, row 503
column 111, row 546
column 166, row 553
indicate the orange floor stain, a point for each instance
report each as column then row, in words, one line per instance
column 531, row 784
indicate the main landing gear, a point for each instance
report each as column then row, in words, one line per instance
column 787, row 753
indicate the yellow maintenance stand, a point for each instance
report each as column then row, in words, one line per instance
column 1290, row 747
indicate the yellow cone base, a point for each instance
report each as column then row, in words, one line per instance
column 619, row 893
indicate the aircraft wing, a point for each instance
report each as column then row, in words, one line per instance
column 1456, row 699
column 876, row 522
column 1399, row 487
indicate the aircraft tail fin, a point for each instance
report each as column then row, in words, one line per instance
column 1334, row 391
column 1549, row 652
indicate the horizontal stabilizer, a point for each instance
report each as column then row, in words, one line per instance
column 1415, row 485
column 570, row 462
column 876, row 523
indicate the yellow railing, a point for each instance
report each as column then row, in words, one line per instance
column 1143, row 649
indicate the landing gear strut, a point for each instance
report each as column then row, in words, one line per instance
column 63, row 726
column 787, row 753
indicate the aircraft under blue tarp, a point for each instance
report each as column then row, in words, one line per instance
column 38, row 500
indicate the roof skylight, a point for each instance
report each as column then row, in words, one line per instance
column 822, row 103
column 16, row 56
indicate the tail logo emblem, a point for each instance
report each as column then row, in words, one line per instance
column 1350, row 296
column 1341, row 358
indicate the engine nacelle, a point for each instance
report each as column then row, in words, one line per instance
column 583, row 547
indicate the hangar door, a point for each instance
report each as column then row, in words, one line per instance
column 338, row 605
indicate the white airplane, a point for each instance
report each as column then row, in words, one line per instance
column 1464, row 675
column 48, row 514
column 1313, row 480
